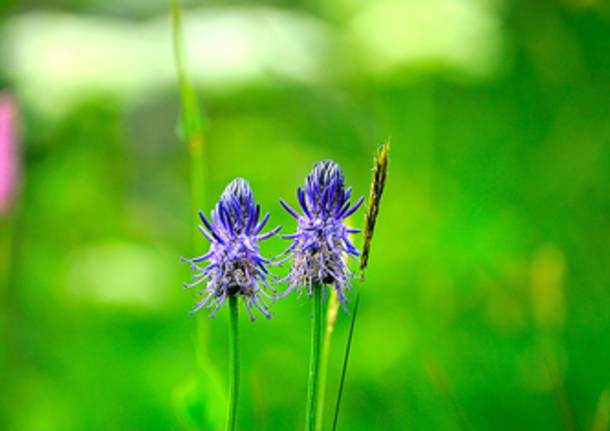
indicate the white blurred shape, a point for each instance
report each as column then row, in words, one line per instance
column 121, row 274
column 56, row 59
column 463, row 35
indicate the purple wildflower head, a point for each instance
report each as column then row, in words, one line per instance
column 321, row 241
column 234, row 263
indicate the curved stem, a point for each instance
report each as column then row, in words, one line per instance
column 233, row 363
column 346, row 358
column 314, row 360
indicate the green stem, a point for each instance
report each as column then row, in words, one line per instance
column 346, row 358
column 191, row 130
column 314, row 360
column 192, row 121
column 322, row 380
column 331, row 318
column 233, row 363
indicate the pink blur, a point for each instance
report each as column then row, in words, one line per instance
column 9, row 157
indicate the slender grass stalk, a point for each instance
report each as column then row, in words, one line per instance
column 331, row 318
column 561, row 400
column 380, row 170
column 602, row 416
column 313, row 381
column 192, row 121
column 233, row 363
column 348, row 348
column 191, row 130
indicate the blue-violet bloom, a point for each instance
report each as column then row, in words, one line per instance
column 321, row 241
column 235, row 265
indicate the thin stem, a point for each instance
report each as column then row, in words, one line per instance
column 380, row 171
column 314, row 360
column 191, row 131
column 346, row 358
column 331, row 318
column 233, row 363
column 193, row 120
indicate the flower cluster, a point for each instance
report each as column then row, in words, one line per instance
column 235, row 265
column 321, row 241
column 318, row 252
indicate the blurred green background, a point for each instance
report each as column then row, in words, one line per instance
column 487, row 302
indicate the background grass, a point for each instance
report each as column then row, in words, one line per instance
column 487, row 299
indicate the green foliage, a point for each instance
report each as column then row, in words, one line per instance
column 489, row 283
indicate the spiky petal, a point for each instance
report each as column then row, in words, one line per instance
column 321, row 243
column 234, row 263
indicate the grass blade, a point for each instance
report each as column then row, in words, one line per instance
column 192, row 120
column 191, row 128
column 380, row 170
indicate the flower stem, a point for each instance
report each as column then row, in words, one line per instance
column 313, row 382
column 233, row 363
column 346, row 358
column 331, row 318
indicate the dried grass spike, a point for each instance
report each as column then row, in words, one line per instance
column 380, row 171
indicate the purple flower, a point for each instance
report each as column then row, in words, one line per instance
column 321, row 240
column 9, row 160
column 234, row 263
